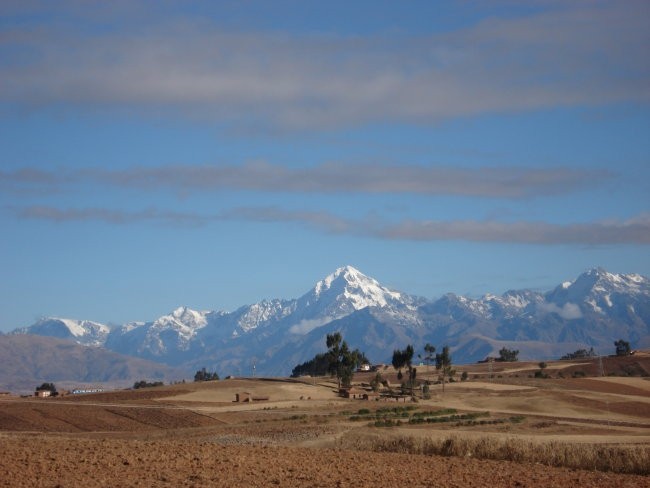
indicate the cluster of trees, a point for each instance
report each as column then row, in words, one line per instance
column 508, row 355
column 580, row 354
column 403, row 358
column 443, row 364
column 203, row 375
column 146, row 384
column 317, row 366
column 339, row 361
column 622, row 348
column 48, row 387
column 342, row 361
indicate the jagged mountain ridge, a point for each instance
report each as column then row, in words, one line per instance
column 593, row 310
column 85, row 332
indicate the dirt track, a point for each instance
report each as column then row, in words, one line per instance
column 29, row 460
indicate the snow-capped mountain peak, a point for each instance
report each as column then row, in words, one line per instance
column 182, row 318
column 598, row 280
column 350, row 284
column 84, row 332
column 189, row 317
column 597, row 290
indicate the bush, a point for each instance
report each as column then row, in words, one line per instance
column 145, row 384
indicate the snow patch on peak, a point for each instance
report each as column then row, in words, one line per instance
column 189, row 317
column 349, row 274
column 566, row 284
column 82, row 328
column 74, row 326
column 183, row 318
column 636, row 278
column 361, row 290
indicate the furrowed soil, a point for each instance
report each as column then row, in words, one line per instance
column 63, row 462
column 512, row 431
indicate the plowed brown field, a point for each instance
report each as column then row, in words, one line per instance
column 304, row 435
column 70, row 462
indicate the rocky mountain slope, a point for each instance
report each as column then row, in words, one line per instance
column 274, row 335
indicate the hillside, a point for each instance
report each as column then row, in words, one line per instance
column 29, row 360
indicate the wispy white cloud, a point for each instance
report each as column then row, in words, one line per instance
column 490, row 182
column 568, row 311
column 632, row 231
column 110, row 216
column 562, row 55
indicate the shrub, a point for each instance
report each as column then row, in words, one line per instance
column 146, row 384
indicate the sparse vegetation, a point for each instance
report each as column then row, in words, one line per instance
column 618, row 459
column 579, row 354
column 443, row 365
column 540, row 374
column 376, row 382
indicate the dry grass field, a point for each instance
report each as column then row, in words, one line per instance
column 507, row 428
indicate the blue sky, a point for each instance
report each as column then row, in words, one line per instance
column 212, row 154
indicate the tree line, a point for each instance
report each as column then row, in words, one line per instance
column 403, row 358
column 339, row 361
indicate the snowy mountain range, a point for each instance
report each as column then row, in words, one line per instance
column 593, row 311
